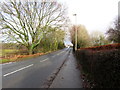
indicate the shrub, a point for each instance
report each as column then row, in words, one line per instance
column 103, row 47
column 101, row 65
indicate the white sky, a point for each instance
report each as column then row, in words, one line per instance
column 94, row 14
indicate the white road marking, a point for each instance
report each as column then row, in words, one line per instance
column 60, row 53
column 44, row 60
column 8, row 63
column 54, row 56
column 17, row 70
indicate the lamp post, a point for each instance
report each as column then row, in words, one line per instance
column 75, row 31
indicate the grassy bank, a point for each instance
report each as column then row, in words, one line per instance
column 21, row 57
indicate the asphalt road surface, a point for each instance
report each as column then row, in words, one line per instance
column 34, row 72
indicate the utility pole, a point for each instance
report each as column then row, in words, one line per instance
column 75, row 31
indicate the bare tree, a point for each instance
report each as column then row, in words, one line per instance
column 98, row 38
column 26, row 22
column 83, row 38
column 114, row 33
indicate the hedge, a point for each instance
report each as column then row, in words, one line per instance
column 101, row 65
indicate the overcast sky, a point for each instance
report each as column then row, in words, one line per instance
column 96, row 15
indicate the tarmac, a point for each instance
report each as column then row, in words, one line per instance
column 69, row 75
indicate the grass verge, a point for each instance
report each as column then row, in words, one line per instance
column 22, row 57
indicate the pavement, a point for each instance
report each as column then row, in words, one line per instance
column 69, row 75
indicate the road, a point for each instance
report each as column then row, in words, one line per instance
column 34, row 72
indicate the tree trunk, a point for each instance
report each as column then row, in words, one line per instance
column 30, row 51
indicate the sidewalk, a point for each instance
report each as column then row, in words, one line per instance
column 69, row 76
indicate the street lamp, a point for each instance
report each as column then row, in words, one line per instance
column 75, row 31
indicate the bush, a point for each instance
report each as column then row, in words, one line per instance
column 103, row 47
column 101, row 65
